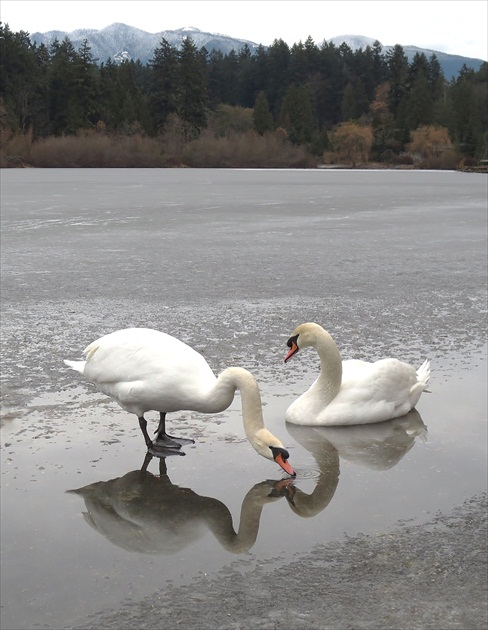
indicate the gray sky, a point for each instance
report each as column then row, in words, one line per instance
column 452, row 26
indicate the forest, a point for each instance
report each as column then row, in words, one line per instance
column 305, row 105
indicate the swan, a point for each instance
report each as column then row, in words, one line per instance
column 144, row 369
column 352, row 392
column 146, row 513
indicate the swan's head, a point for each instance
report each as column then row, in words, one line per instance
column 267, row 445
column 280, row 456
column 303, row 336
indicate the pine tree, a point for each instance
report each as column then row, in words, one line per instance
column 277, row 68
column 297, row 114
column 65, row 112
column 215, row 78
column 262, row 117
column 86, row 87
column 164, row 83
column 246, row 89
column 19, row 86
column 230, row 91
column 192, row 96
column 416, row 107
column 397, row 64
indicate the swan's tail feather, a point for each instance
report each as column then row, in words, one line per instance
column 423, row 374
column 79, row 366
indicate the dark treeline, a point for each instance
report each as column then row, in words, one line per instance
column 303, row 92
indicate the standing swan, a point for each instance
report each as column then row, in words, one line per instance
column 352, row 392
column 144, row 370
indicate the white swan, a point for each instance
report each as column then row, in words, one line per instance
column 352, row 392
column 144, row 370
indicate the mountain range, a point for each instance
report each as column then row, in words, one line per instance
column 120, row 42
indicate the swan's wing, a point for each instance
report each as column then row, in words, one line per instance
column 387, row 380
column 139, row 354
column 371, row 392
column 145, row 369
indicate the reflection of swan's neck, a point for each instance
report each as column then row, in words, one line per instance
column 327, row 459
column 219, row 519
column 330, row 378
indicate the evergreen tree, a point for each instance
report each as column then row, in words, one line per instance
column 134, row 106
column 246, row 88
column 297, row 114
column 379, row 64
column 230, row 88
column 397, row 64
column 19, row 85
column 192, row 97
column 112, row 95
column 354, row 100
column 215, row 78
column 40, row 116
column 297, row 69
column 164, row 83
column 330, row 87
column 262, row 117
column 278, row 59
column 260, row 67
column 416, row 108
column 65, row 112
column 465, row 127
column 86, row 87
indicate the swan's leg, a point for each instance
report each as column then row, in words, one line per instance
column 168, row 440
column 143, row 425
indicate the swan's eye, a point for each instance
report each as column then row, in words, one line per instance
column 276, row 450
column 292, row 340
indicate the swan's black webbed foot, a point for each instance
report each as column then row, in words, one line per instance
column 162, row 449
column 176, row 440
column 169, row 441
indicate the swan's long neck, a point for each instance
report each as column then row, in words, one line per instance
column 217, row 396
column 330, row 378
column 252, row 410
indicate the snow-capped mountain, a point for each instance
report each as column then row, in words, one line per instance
column 450, row 64
column 355, row 42
column 120, row 42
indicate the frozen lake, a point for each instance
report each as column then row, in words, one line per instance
column 392, row 263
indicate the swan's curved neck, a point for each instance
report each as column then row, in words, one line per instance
column 220, row 395
column 252, row 411
column 330, row 377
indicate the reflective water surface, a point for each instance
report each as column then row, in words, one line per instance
column 392, row 264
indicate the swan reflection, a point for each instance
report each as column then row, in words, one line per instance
column 146, row 513
column 376, row 446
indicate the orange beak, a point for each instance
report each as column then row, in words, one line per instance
column 285, row 465
column 292, row 351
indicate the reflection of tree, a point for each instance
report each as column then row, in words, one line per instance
column 377, row 446
column 148, row 514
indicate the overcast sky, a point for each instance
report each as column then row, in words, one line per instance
column 452, row 26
